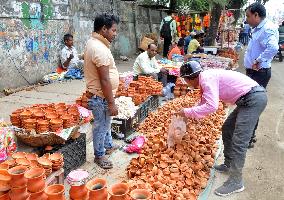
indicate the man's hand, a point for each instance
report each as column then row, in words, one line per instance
column 113, row 111
column 256, row 66
column 71, row 57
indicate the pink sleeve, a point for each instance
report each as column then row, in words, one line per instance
column 210, row 99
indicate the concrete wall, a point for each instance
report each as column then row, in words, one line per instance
column 31, row 33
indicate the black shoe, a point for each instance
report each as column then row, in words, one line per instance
column 253, row 140
column 222, row 168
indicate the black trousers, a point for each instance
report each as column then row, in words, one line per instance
column 167, row 44
column 262, row 77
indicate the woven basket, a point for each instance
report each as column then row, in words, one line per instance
column 40, row 140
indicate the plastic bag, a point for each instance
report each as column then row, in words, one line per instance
column 136, row 145
column 177, row 130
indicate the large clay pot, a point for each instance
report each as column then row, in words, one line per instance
column 36, row 180
column 38, row 196
column 138, row 194
column 17, row 175
column 55, row 192
column 78, row 192
column 4, row 196
column 5, row 179
column 97, row 189
column 19, row 193
column 119, row 191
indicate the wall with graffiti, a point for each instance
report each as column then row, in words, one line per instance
column 31, row 33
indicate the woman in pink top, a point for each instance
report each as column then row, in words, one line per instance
column 234, row 88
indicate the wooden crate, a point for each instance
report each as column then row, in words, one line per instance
column 56, row 177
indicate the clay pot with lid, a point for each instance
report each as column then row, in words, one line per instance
column 17, row 176
column 97, row 189
column 19, row 193
column 36, row 182
column 119, row 191
column 55, row 192
column 139, row 194
column 5, row 179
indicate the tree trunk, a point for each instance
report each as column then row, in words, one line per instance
column 173, row 5
column 236, row 4
column 214, row 24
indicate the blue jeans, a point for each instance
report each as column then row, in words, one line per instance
column 102, row 138
column 238, row 129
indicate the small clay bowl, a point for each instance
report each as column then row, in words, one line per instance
column 23, row 161
column 56, row 121
column 19, row 155
column 44, row 162
column 4, row 166
column 31, row 156
column 56, row 157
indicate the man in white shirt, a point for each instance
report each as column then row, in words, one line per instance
column 69, row 56
column 146, row 65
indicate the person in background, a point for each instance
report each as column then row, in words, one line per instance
column 261, row 49
column 177, row 49
column 187, row 40
column 234, row 88
column 241, row 34
column 69, row 57
column 147, row 65
column 102, row 80
column 281, row 32
column 246, row 33
column 168, row 31
column 194, row 46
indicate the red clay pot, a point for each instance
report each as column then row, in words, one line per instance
column 139, row 194
column 78, row 192
column 38, row 196
column 5, row 179
column 17, row 176
column 36, row 182
column 19, row 193
column 97, row 189
column 119, row 191
column 55, row 192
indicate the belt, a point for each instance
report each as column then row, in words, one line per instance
column 254, row 89
column 260, row 70
column 90, row 95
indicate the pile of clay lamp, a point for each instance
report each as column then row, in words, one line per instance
column 82, row 101
column 181, row 172
column 24, row 177
column 181, row 88
column 229, row 53
column 141, row 89
column 46, row 117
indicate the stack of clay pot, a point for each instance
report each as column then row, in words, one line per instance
column 36, row 183
column 121, row 90
column 57, row 161
column 46, row 117
column 18, row 183
column 46, row 164
column 182, row 171
column 181, row 88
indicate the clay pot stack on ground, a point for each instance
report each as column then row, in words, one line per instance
column 57, row 161
column 181, row 88
column 46, row 117
column 180, row 172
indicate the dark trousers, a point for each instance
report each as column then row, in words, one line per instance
column 167, row 44
column 238, row 129
column 262, row 77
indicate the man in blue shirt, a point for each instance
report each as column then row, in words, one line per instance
column 262, row 47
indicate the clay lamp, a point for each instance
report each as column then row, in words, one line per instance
column 23, row 162
column 19, row 155
column 56, row 157
column 50, row 116
column 31, row 156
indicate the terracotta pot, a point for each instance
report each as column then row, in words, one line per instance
column 97, row 189
column 38, row 196
column 56, row 157
column 119, row 191
column 31, row 156
column 36, row 180
column 138, row 194
column 23, row 162
column 19, row 193
column 11, row 163
column 4, row 196
column 55, row 192
column 5, row 179
column 19, row 155
column 78, row 192
column 17, row 175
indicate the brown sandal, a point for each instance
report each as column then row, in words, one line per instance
column 103, row 162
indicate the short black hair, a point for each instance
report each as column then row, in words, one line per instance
column 149, row 45
column 105, row 20
column 257, row 8
column 67, row 36
column 169, row 12
column 180, row 43
column 283, row 23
